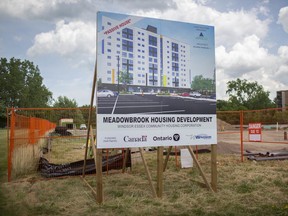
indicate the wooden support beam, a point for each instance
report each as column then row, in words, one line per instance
column 99, row 180
column 167, row 158
column 92, row 142
column 214, row 167
column 199, row 167
column 148, row 173
column 125, row 160
column 160, row 172
column 90, row 117
column 91, row 188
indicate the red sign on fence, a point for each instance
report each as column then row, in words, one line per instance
column 255, row 132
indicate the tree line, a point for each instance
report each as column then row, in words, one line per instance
column 21, row 85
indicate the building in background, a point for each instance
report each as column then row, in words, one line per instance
column 282, row 98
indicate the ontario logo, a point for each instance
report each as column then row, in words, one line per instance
column 142, row 138
column 175, row 137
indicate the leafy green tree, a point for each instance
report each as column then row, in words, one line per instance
column 85, row 112
column 65, row 102
column 21, row 84
column 248, row 95
column 73, row 112
column 202, row 84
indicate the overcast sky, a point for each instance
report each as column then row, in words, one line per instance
column 251, row 38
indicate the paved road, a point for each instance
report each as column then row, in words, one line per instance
column 152, row 104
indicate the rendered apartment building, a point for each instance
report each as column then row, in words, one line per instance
column 150, row 59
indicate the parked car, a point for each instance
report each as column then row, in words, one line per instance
column 105, row 93
column 83, row 127
column 195, row 94
column 213, row 96
column 185, row 94
column 62, row 131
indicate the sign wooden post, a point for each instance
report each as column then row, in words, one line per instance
column 160, row 172
column 125, row 160
column 167, row 158
column 148, row 173
column 214, row 167
column 99, row 181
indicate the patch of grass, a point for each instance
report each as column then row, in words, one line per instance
column 247, row 188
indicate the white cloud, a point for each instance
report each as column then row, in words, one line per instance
column 43, row 9
column 283, row 53
column 283, row 18
column 248, row 60
column 245, row 57
column 71, row 40
column 230, row 27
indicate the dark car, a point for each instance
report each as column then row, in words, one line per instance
column 213, row 96
column 62, row 131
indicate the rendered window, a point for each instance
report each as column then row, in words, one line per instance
column 152, row 40
column 127, row 33
column 153, row 51
column 174, row 47
column 127, row 45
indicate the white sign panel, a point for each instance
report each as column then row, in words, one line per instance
column 148, row 77
column 186, row 159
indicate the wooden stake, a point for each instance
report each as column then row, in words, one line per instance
column 148, row 173
column 199, row 167
column 90, row 116
column 99, row 181
column 167, row 158
column 92, row 142
column 91, row 188
column 214, row 167
column 125, row 160
column 160, row 172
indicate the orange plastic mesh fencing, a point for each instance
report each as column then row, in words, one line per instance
column 59, row 136
column 56, row 136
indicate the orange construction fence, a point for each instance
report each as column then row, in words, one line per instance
column 29, row 126
column 25, row 131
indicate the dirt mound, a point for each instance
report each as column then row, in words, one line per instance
column 222, row 125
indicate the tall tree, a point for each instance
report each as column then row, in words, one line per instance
column 249, row 95
column 65, row 102
column 73, row 112
column 21, row 84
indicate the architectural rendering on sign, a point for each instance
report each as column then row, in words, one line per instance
column 149, row 58
column 148, row 55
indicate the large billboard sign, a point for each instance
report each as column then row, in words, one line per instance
column 155, row 82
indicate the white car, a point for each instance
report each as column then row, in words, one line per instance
column 195, row 94
column 105, row 93
column 83, row 127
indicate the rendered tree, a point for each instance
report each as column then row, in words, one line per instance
column 201, row 84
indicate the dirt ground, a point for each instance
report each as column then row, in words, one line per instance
column 272, row 141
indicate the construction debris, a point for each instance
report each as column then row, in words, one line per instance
column 260, row 156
